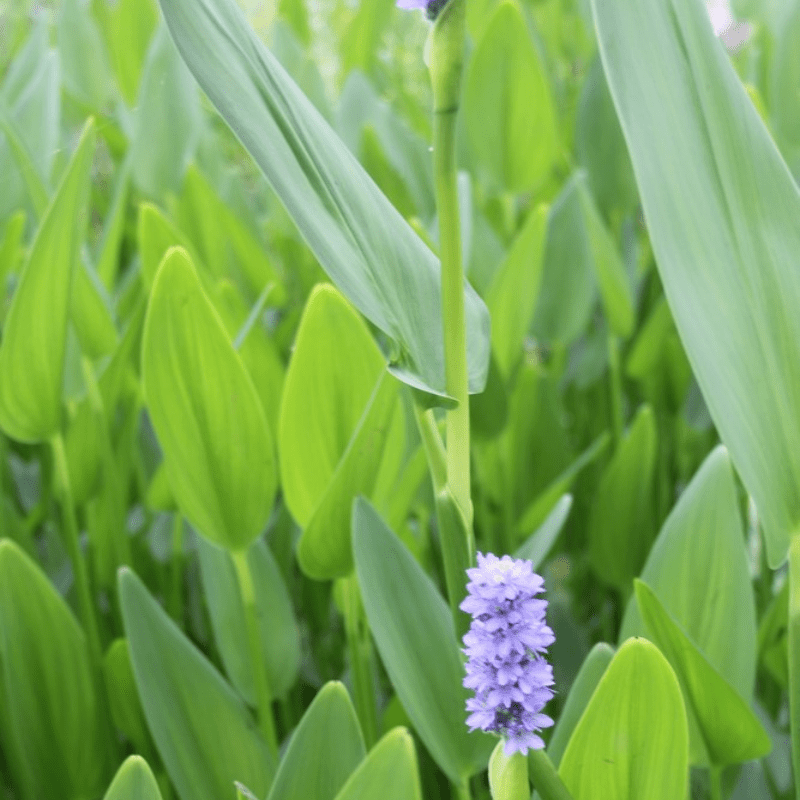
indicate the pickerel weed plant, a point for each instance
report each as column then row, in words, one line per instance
column 312, row 379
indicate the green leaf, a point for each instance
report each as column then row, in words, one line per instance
column 108, row 253
column 133, row 781
column 591, row 671
column 508, row 775
column 155, row 234
column 730, row 731
column 133, row 24
column 34, row 335
column 413, row 630
column 205, row 410
column 324, row 750
column 389, row 771
column 620, row 521
column 508, row 111
column 91, row 315
column 723, row 225
column 188, row 705
column 699, row 567
column 81, row 53
column 632, row 740
column 11, row 248
column 361, row 40
column 359, row 238
column 536, row 547
column 49, row 697
column 280, row 641
column 514, row 291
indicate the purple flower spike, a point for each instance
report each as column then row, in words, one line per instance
column 505, row 647
column 432, row 7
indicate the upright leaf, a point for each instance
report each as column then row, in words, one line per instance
column 204, row 734
column 722, row 211
column 632, row 740
column 368, row 250
column 133, row 781
column 413, row 629
column 210, row 423
column 34, row 335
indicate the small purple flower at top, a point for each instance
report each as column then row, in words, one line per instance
column 432, row 7
column 505, row 647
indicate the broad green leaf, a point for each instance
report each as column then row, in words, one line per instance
column 620, row 521
column 784, row 80
column 280, row 639
column 324, row 550
column 133, row 781
column 81, row 53
column 324, row 750
column 133, row 24
column 361, row 40
column 11, row 248
column 699, row 567
column 329, row 385
column 389, row 771
column 508, row 775
column 90, row 313
column 108, row 253
column 49, row 697
column 609, row 269
column 591, row 671
column 514, row 291
column 296, row 14
column 730, row 731
column 359, row 238
column 34, row 182
column 723, row 225
column 205, row 410
column 167, row 122
column 155, row 234
column 632, row 740
column 123, row 696
column 413, row 630
column 568, row 285
column 204, row 734
column 508, row 111
column 536, row 547
column 34, row 335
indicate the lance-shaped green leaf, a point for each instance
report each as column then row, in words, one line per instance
column 632, row 740
column 325, row 749
column 204, row 734
column 731, row 732
column 620, row 524
column 205, row 410
column 48, row 696
column 389, row 771
column 508, row 111
column 724, row 231
column 362, row 242
column 134, row 781
column 413, row 629
column 699, row 568
column 280, row 641
column 536, row 547
column 34, row 335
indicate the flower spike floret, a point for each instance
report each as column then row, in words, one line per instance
column 505, row 647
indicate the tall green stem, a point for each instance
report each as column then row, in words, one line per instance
column 794, row 656
column 71, row 540
column 260, row 679
column 358, row 643
column 545, row 777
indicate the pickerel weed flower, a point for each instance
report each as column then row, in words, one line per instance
column 432, row 7
column 505, row 647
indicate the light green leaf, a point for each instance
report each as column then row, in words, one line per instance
column 48, row 696
column 11, row 248
column 514, row 291
column 205, row 410
column 34, row 335
column 730, row 731
column 91, row 314
column 155, row 234
column 204, row 734
column 536, row 547
column 80, row 50
column 411, row 622
column 324, row 750
column 361, row 40
column 359, row 238
column 133, row 781
column 280, row 641
column 591, row 671
column 632, row 740
column 133, row 24
column 508, row 111
column 724, row 232
column 620, row 521
column 699, row 568
column 389, row 771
